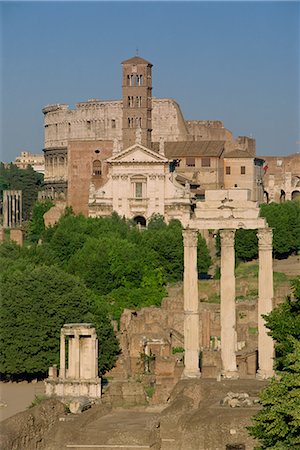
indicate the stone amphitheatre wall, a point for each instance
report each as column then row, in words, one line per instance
column 96, row 119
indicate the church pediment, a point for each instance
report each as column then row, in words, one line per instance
column 137, row 154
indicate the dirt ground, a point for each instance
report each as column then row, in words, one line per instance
column 16, row 397
column 289, row 266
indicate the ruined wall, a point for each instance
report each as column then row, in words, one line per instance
column 29, row 430
column 207, row 130
column 282, row 177
column 86, row 164
column 96, row 119
column 93, row 119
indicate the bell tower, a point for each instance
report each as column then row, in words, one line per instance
column 137, row 101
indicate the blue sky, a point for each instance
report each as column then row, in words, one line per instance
column 231, row 61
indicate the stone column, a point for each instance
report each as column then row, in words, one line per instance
column 228, row 319
column 265, row 303
column 191, row 305
column 94, row 356
column 76, row 354
column 62, row 365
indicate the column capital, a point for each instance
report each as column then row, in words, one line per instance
column 227, row 238
column 190, row 237
column 265, row 236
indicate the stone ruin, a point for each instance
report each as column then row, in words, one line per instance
column 79, row 378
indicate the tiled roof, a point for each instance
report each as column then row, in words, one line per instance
column 136, row 60
column 193, row 148
column 238, row 154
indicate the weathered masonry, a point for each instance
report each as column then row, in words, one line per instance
column 79, row 377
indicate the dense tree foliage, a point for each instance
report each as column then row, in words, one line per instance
column 26, row 180
column 277, row 424
column 36, row 225
column 284, row 218
column 36, row 302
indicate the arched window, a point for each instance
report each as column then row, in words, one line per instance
column 141, row 80
column 97, row 168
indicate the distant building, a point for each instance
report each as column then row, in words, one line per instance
column 82, row 147
column 282, row 177
column 36, row 161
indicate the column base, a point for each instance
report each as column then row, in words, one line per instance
column 186, row 375
column 262, row 374
column 230, row 374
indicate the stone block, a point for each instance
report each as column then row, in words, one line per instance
column 164, row 366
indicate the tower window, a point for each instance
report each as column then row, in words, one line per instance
column 113, row 123
column 128, row 80
column 190, row 162
column 88, row 124
column 141, row 80
column 243, row 170
column 228, row 171
column 97, row 166
column 138, row 102
column 131, row 80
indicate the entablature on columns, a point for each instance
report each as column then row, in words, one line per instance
column 80, row 329
column 223, row 223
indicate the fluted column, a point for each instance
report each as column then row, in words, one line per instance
column 265, row 303
column 191, row 305
column 62, row 364
column 228, row 316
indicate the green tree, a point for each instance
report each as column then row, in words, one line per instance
column 36, row 226
column 246, row 244
column 36, row 302
column 277, row 424
column 284, row 218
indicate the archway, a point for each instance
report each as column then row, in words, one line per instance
column 140, row 220
column 296, row 195
column 282, row 196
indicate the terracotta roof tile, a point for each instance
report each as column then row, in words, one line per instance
column 136, row 60
column 193, row 148
column 238, row 154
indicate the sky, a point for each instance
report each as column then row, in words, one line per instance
column 232, row 61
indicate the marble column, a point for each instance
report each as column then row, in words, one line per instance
column 228, row 315
column 6, row 209
column 265, row 303
column 76, row 353
column 62, row 365
column 94, row 356
column 191, row 305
